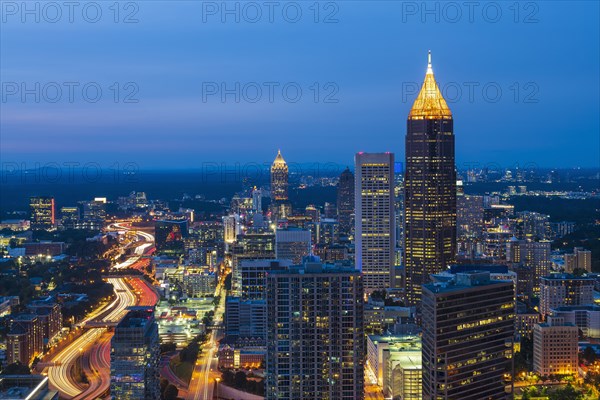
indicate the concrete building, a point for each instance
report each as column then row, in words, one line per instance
column 134, row 356
column 292, row 244
column 375, row 240
column 246, row 318
column 586, row 318
column 25, row 339
column 555, row 347
column 579, row 259
column 43, row 212
column 558, row 290
column 535, row 255
column 468, row 334
column 525, row 322
column 199, row 282
column 315, row 348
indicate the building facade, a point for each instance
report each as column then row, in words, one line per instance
column 345, row 203
column 468, row 335
column 429, row 189
column 42, row 212
column 315, row 348
column 134, row 356
column 374, row 218
column 555, row 347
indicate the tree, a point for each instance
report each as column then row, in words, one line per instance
column 16, row 369
column 566, row 393
column 171, row 392
column 589, row 355
column 228, row 378
column 167, row 347
column 240, row 380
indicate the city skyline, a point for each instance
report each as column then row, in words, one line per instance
column 172, row 126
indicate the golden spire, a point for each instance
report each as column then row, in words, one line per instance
column 279, row 159
column 430, row 103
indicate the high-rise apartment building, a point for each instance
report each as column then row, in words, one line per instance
column 42, row 212
column 558, row 290
column 134, row 372
column 374, row 218
column 345, row 202
column 429, row 188
column 25, row 339
column 468, row 333
column 535, row 255
column 315, row 346
column 555, row 347
column 579, row 259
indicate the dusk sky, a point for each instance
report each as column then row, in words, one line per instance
column 368, row 67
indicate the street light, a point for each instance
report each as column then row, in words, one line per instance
column 217, row 380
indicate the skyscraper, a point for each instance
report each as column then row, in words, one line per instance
column 345, row 202
column 134, row 356
column 42, row 212
column 430, row 188
column 280, row 207
column 279, row 179
column 374, row 218
column 468, row 331
column 315, row 347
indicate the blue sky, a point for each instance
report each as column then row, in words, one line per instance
column 522, row 82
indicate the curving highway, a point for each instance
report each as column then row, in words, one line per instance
column 61, row 375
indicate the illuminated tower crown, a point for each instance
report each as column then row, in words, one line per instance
column 430, row 103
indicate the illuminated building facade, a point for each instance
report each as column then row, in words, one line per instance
column 558, row 290
column 25, row 339
column 42, row 212
column 430, row 189
column 345, row 203
column 134, row 356
column 279, row 179
column 535, row 255
column 315, row 347
column 374, row 218
column 555, row 347
column 468, row 334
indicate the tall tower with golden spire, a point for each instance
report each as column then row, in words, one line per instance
column 279, row 179
column 430, row 188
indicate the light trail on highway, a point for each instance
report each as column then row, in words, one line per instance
column 61, row 374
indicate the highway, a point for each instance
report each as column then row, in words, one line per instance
column 205, row 371
column 93, row 346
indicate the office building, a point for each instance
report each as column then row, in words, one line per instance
column 280, row 206
column 253, row 277
column 246, row 318
column 169, row 236
column 315, row 348
column 345, row 202
column 429, row 189
column 134, row 372
column 468, row 331
column 374, row 218
column 42, row 212
column 558, row 290
column 555, row 347
column 292, row 244
column 69, row 217
column 586, row 318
